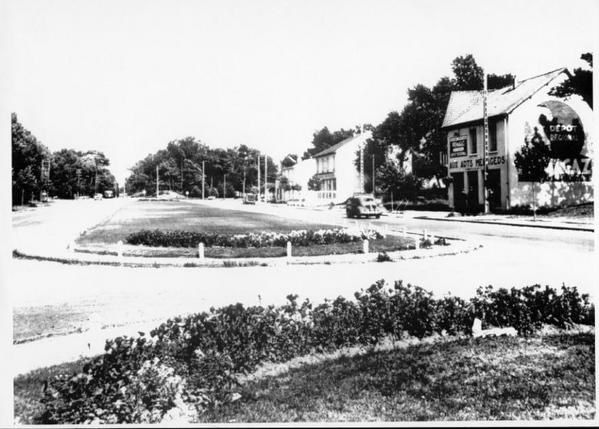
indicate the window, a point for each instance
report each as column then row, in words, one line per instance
column 492, row 136
column 473, row 142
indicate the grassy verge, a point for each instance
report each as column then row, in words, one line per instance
column 467, row 379
column 387, row 244
column 187, row 216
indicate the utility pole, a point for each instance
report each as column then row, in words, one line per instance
column 203, row 177
column 362, row 161
column 225, row 186
column 373, row 178
column 486, row 145
column 265, row 177
column 157, row 180
column 258, row 177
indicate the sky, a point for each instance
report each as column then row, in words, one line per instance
column 126, row 77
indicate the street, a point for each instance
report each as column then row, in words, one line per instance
column 113, row 296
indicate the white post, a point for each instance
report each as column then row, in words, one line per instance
column 365, row 246
column 289, row 249
column 119, row 249
column 432, row 238
column 424, row 234
column 201, row 250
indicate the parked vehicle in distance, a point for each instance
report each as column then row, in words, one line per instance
column 212, row 197
column 98, row 196
column 362, row 205
column 44, row 197
column 109, row 193
column 249, row 199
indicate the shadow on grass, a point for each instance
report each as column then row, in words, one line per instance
column 467, row 379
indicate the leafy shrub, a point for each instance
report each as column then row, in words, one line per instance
column 197, row 359
column 383, row 257
column 178, row 238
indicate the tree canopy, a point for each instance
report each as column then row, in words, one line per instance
column 180, row 169
column 324, row 139
column 580, row 83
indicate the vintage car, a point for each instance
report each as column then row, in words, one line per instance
column 362, row 205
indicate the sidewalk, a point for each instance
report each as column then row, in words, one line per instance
column 566, row 223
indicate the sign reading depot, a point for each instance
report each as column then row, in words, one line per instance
column 560, row 129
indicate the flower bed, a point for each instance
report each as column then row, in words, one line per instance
column 195, row 361
column 190, row 239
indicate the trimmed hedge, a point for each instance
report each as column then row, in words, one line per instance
column 194, row 361
column 179, row 238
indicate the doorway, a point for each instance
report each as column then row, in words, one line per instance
column 459, row 201
column 473, row 201
column 494, row 189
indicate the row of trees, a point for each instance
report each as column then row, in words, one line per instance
column 65, row 173
column 184, row 163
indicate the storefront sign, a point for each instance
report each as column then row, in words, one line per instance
column 457, row 147
column 477, row 162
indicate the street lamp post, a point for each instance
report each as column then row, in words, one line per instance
column 203, row 177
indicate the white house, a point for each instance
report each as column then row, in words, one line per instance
column 336, row 170
column 298, row 175
column 518, row 114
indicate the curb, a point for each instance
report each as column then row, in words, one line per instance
column 143, row 262
column 488, row 222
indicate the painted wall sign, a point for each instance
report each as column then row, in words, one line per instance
column 561, row 129
column 457, row 147
column 477, row 162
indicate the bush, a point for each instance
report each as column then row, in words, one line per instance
column 383, row 257
column 196, row 192
column 178, row 238
column 195, row 360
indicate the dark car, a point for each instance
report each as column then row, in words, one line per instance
column 363, row 205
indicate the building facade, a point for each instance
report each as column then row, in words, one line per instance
column 519, row 115
column 335, row 169
column 297, row 176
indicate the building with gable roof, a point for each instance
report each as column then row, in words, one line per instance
column 335, row 168
column 517, row 114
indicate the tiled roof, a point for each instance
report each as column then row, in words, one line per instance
column 335, row 147
column 467, row 106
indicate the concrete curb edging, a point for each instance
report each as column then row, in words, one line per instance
column 529, row 225
column 457, row 247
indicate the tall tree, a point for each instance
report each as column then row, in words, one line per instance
column 27, row 156
column 580, row 83
column 324, row 139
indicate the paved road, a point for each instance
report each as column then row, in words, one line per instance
column 512, row 256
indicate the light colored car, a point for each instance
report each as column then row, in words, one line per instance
column 98, row 197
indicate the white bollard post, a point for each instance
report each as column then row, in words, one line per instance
column 289, row 249
column 201, row 250
column 119, row 249
column 424, row 234
column 432, row 238
column 365, row 246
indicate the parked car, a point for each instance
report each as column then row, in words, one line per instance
column 362, row 205
column 44, row 198
column 212, row 197
column 250, row 199
column 98, row 197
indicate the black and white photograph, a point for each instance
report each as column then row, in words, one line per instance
column 298, row 212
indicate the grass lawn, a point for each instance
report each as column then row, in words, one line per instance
column 184, row 215
column 507, row 378
column 484, row 379
column 35, row 322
